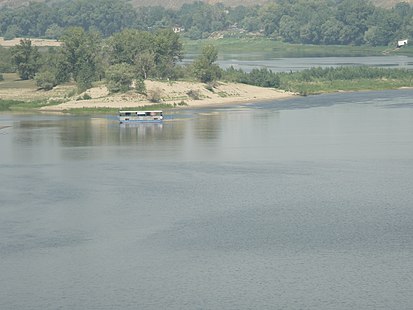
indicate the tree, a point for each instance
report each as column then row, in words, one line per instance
column 45, row 80
column 125, row 46
column 204, row 68
column 168, row 51
column 80, row 54
column 5, row 60
column 290, row 29
column 331, row 31
column 144, row 63
column 26, row 58
column 119, row 78
column 54, row 31
column 354, row 15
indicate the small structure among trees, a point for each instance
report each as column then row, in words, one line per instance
column 401, row 43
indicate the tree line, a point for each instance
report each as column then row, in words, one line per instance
column 124, row 59
column 341, row 22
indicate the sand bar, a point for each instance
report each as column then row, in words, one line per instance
column 177, row 92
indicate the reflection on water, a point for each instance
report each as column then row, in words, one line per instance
column 302, row 203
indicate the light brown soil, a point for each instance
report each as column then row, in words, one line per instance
column 175, row 93
column 35, row 42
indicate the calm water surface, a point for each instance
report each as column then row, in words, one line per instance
column 247, row 62
column 297, row 204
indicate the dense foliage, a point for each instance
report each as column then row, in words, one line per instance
column 5, row 60
column 297, row 21
column 84, row 57
column 26, row 59
column 323, row 79
column 204, row 67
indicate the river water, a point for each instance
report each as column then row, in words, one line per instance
column 249, row 61
column 304, row 203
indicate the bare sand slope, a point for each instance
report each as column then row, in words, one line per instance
column 178, row 93
column 35, row 42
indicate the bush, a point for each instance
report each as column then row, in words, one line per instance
column 119, row 78
column 45, row 80
column 154, row 95
column 86, row 96
column 194, row 94
column 140, row 86
column 258, row 77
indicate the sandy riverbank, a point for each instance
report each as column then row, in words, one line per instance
column 175, row 93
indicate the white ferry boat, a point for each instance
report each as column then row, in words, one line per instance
column 140, row 116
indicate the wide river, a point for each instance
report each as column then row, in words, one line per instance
column 247, row 62
column 304, row 203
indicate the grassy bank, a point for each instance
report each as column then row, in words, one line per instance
column 16, row 105
column 22, row 95
column 318, row 87
column 280, row 49
column 319, row 80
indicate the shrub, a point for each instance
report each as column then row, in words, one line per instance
column 194, row 94
column 86, row 96
column 258, row 77
column 140, row 86
column 119, row 78
column 154, row 95
column 45, row 80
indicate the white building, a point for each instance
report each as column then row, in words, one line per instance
column 401, row 43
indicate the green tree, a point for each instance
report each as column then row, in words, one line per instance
column 204, row 67
column 54, row 31
column 6, row 64
column 354, row 15
column 331, row 31
column 26, row 58
column 125, row 46
column 12, row 32
column 119, row 77
column 290, row 29
column 144, row 64
column 81, row 56
column 168, row 51
column 46, row 80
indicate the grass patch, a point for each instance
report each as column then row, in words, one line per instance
column 271, row 48
column 16, row 105
column 317, row 87
column 319, row 80
column 223, row 94
column 5, row 105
